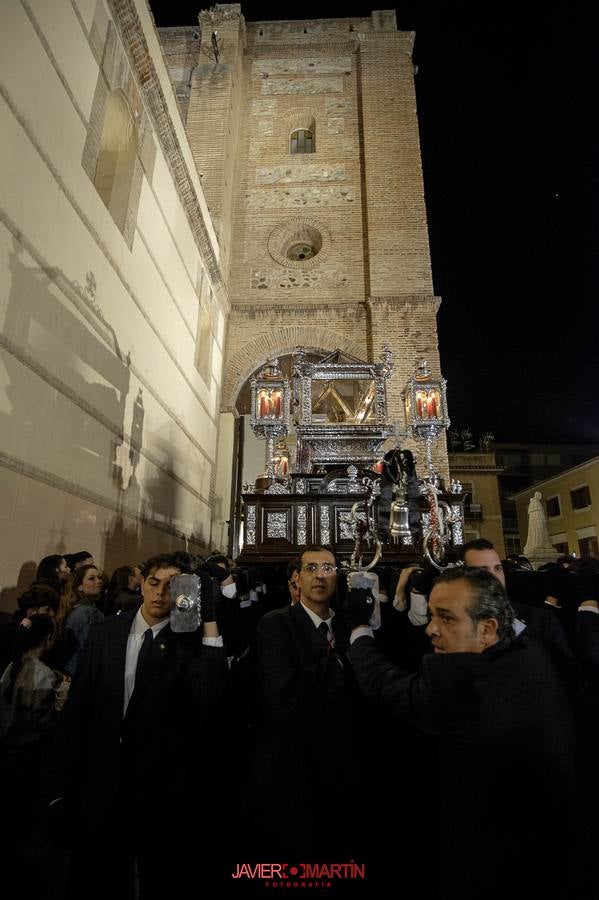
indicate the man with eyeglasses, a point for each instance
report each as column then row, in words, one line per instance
column 493, row 709
column 305, row 761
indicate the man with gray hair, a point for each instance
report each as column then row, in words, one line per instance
column 504, row 736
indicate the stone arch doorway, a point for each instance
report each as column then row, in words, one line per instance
column 244, row 358
column 281, row 342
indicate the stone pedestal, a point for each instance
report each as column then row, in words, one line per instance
column 539, row 556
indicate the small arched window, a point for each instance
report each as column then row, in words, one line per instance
column 116, row 160
column 301, row 141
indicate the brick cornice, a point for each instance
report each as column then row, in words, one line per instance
column 264, row 50
column 254, row 308
column 370, row 40
column 132, row 34
column 404, row 301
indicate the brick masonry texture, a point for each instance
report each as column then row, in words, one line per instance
column 352, row 82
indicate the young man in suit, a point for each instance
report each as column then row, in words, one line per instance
column 135, row 742
column 307, row 752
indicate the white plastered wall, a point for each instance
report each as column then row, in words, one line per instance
column 108, row 434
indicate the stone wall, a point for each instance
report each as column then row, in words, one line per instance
column 108, row 433
column 369, row 280
column 181, row 49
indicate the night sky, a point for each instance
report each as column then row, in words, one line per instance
column 509, row 129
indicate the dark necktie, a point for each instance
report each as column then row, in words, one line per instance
column 323, row 628
column 144, row 655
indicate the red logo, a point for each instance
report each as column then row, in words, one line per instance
column 300, row 875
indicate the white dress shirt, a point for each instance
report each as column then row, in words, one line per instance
column 139, row 626
column 318, row 621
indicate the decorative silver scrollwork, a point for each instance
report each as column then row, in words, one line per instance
column 301, row 525
column 250, row 525
column 442, row 526
column 353, row 485
column 276, row 525
column 347, row 524
column 277, row 488
column 325, row 525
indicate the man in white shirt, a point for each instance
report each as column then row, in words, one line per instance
column 306, row 755
column 134, row 733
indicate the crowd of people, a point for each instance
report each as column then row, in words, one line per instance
column 438, row 722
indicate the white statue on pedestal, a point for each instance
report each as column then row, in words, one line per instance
column 538, row 533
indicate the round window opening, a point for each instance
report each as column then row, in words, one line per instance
column 296, row 243
column 301, row 251
column 302, row 243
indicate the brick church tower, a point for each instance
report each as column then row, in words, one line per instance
column 305, row 136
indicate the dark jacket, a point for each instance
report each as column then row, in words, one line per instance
column 506, row 747
column 106, row 756
column 308, row 749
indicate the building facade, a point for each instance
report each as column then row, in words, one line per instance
column 479, row 474
column 571, row 501
column 306, row 138
column 108, row 260
column 524, row 464
column 176, row 208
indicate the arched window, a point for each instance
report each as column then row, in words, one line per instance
column 301, row 141
column 116, row 160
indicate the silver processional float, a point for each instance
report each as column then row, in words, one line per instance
column 339, row 413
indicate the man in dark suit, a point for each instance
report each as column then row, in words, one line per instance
column 134, row 741
column 501, row 720
column 541, row 622
column 306, row 756
column 586, row 635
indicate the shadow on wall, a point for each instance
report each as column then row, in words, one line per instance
column 72, row 434
column 64, row 385
column 8, row 595
column 130, row 542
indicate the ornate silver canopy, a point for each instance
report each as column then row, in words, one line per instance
column 340, row 409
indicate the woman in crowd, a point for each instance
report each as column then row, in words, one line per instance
column 124, row 590
column 77, row 614
column 53, row 571
column 31, row 696
column 27, row 689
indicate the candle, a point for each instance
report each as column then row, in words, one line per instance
column 432, row 404
column 263, row 404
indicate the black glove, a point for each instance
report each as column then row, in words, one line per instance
column 211, row 596
column 423, row 580
column 358, row 608
column 215, row 571
column 242, row 580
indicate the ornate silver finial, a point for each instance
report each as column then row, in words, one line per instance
column 353, row 485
